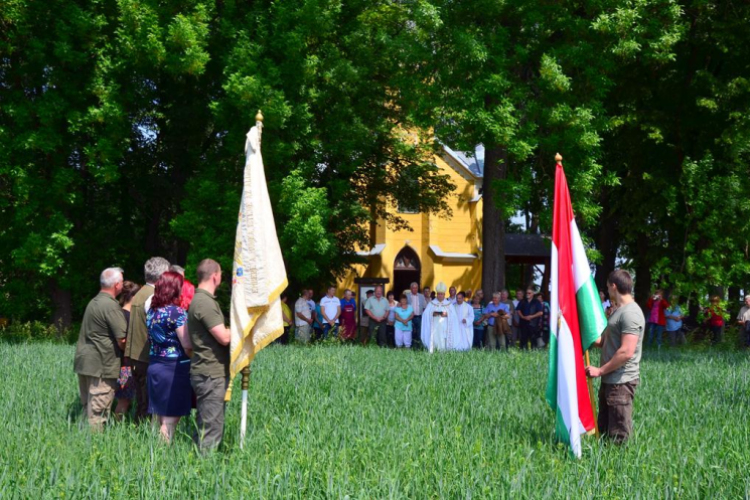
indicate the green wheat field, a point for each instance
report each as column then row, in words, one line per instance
column 348, row 422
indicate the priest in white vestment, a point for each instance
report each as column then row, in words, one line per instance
column 465, row 319
column 440, row 330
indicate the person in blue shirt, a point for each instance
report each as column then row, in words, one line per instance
column 674, row 317
column 479, row 322
column 317, row 325
column 530, row 312
column 403, row 314
column 496, row 314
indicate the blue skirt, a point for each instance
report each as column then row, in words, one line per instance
column 169, row 389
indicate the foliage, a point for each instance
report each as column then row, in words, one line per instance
column 678, row 143
column 37, row 331
column 122, row 127
column 337, row 428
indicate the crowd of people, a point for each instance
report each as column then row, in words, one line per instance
column 667, row 314
column 164, row 344
column 495, row 322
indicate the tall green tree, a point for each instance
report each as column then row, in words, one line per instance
column 527, row 79
column 122, row 128
column 678, row 142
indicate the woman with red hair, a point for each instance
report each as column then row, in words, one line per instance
column 169, row 388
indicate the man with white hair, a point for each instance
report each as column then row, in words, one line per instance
column 440, row 330
column 100, row 341
column 137, row 347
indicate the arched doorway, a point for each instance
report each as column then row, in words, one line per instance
column 406, row 270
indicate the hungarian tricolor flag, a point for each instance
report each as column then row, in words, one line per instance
column 576, row 321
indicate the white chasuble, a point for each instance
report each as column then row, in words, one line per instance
column 440, row 331
column 465, row 319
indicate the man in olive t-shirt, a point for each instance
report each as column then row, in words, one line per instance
column 209, row 366
column 620, row 361
column 97, row 358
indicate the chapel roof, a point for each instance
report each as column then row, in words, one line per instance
column 471, row 160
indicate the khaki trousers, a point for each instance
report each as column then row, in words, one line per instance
column 97, row 395
column 209, row 415
column 616, row 410
column 302, row 333
column 497, row 335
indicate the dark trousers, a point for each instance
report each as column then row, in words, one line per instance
column 379, row 327
column 390, row 334
column 140, row 383
column 284, row 338
column 655, row 330
column 478, row 341
column 716, row 334
column 416, row 332
column 528, row 335
column 209, row 415
column 616, row 410
column 333, row 330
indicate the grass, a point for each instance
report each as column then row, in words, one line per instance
column 336, row 422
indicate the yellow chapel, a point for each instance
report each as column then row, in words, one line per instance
column 437, row 248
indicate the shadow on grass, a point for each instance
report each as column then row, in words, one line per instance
column 74, row 410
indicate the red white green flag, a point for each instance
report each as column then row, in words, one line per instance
column 576, row 320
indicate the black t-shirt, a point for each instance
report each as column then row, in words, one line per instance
column 527, row 308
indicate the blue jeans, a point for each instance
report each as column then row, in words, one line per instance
column 478, row 342
column 655, row 330
column 333, row 329
column 416, row 331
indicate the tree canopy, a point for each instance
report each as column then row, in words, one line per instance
column 122, row 127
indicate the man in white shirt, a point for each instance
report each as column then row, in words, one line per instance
column 417, row 302
column 303, row 318
column 452, row 293
column 330, row 308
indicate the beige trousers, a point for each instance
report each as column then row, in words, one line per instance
column 97, row 395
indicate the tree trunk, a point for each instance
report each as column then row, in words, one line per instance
column 607, row 242
column 62, row 315
column 493, row 222
column 642, row 272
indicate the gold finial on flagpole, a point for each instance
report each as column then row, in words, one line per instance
column 259, row 116
column 558, row 158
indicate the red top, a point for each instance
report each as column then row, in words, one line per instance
column 188, row 292
column 715, row 316
column 663, row 306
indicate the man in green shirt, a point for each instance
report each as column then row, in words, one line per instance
column 97, row 358
column 137, row 346
column 621, row 346
column 377, row 308
column 209, row 366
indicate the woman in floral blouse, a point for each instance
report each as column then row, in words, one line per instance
column 169, row 390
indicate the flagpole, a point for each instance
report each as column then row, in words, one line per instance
column 591, row 394
column 587, row 361
column 243, row 418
